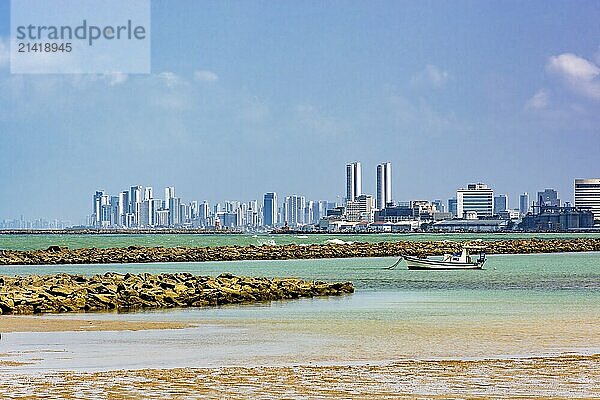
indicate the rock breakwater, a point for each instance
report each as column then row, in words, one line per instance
column 122, row 292
column 138, row 254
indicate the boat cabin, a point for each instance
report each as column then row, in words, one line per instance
column 465, row 255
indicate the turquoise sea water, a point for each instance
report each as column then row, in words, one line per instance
column 34, row 242
column 519, row 305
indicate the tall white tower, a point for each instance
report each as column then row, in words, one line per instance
column 353, row 181
column 384, row 185
column 169, row 193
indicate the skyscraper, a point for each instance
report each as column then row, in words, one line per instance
column 135, row 202
column 174, row 211
column 148, row 193
column 353, row 181
column 308, row 212
column 97, row 207
column 154, row 207
column 145, row 214
column 524, row 203
column 294, row 210
column 114, row 210
column 384, row 185
column 270, row 209
column 203, row 213
column 452, row 206
column 587, row 195
column 194, row 209
column 476, row 197
column 135, row 196
column 169, row 192
column 500, row 203
column 123, row 207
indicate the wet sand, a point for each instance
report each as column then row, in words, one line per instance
column 541, row 378
column 10, row 323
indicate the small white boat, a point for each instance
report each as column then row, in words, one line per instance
column 462, row 260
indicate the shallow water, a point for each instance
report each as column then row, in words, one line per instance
column 519, row 306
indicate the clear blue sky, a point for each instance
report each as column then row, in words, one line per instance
column 247, row 97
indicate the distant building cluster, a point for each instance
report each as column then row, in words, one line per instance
column 475, row 207
column 39, row 223
column 138, row 208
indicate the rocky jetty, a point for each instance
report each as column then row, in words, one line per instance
column 111, row 291
column 138, row 254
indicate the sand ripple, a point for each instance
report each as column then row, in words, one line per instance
column 544, row 377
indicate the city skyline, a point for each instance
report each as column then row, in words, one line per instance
column 277, row 98
column 137, row 207
column 513, row 201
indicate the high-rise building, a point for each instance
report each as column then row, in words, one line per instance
column 309, row 211
column 123, row 207
column 194, row 210
column 135, row 202
column 105, row 210
column 162, row 218
column 174, row 211
column 135, row 196
column 478, row 198
column 294, row 210
column 270, row 209
column 353, row 181
column 154, row 207
column 203, row 213
column 439, row 205
column 184, row 213
column 452, row 206
column 500, row 203
column 253, row 214
column 114, row 210
column 384, row 185
column 587, row 196
column 148, row 193
column 321, row 210
column 97, row 207
column 524, row 203
column 169, row 192
column 145, row 214
column 549, row 197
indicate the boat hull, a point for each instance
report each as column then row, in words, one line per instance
column 426, row 264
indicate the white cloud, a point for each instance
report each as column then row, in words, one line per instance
column 431, row 76
column 115, row 78
column 538, row 101
column 169, row 79
column 581, row 75
column 4, row 52
column 205, row 76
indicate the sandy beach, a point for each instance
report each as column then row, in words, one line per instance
column 10, row 323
